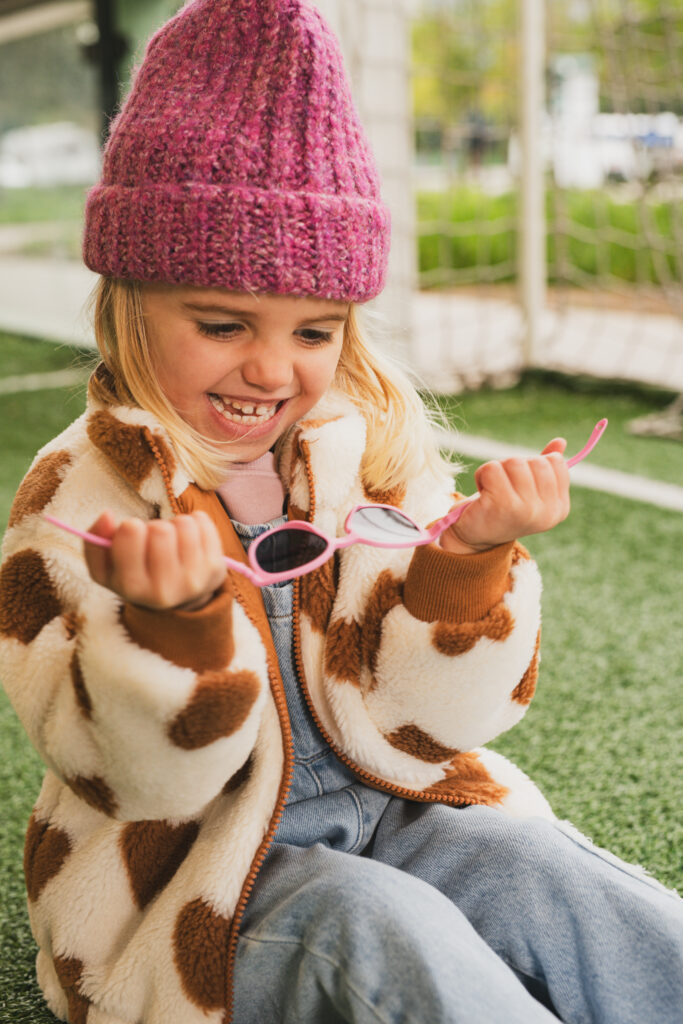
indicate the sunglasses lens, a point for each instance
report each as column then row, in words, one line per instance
column 382, row 524
column 288, row 549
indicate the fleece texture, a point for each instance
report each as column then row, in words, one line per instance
column 165, row 735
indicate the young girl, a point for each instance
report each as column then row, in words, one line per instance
column 272, row 804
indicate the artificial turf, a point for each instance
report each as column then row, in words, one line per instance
column 603, row 736
column 544, row 406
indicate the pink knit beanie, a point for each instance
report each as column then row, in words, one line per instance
column 238, row 161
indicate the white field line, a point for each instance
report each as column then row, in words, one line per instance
column 42, row 381
column 596, row 478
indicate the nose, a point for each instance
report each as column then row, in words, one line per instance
column 268, row 366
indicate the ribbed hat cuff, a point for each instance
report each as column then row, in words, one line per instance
column 241, row 239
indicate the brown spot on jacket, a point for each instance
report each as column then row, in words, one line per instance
column 78, row 682
column 28, row 598
column 343, row 655
column 317, row 592
column 241, row 776
column 414, row 741
column 385, row 595
column 218, row 707
column 389, row 496
column 95, row 792
column 469, row 782
column 45, row 850
column 458, row 638
column 69, row 971
column 126, row 447
column 200, row 952
column 152, row 852
column 39, row 486
column 526, row 688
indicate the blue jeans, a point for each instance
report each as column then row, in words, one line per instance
column 370, row 908
column 454, row 916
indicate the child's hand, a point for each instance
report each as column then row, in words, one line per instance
column 159, row 563
column 517, row 497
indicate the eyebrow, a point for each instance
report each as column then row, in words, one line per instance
column 200, row 307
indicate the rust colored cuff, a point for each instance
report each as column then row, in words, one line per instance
column 445, row 587
column 201, row 640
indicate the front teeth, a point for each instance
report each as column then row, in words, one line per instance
column 247, row 413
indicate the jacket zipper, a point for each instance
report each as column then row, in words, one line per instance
column 278, row 693
column 377, row 783
column 277, row 690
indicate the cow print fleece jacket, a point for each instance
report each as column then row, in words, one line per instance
column 165, row 733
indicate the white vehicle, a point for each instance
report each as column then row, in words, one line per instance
column 61, row 153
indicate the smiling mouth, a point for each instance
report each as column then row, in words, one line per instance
column 244, row 412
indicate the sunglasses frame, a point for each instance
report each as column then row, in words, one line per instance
column 261, row 578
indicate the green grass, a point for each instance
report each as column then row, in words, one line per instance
column 32, row 205
column 27, row 355
column 29, row 419
column 543, row 407
column 626, row 256
column 603, row 736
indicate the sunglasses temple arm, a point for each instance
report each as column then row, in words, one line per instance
column 598, row 431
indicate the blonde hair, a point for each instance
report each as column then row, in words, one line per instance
column 400, row 443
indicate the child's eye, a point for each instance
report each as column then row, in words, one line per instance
column 215, row 329
column 313, row 337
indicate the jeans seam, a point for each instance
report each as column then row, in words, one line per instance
column 311, row 758
column 318, row 784
column 634, row 871
column 359, row 816
column 326, row 959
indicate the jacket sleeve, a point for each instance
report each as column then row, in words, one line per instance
column 455, row 660
column 143, row 714
column 428, row 656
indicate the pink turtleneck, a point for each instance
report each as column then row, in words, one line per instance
column 253, row 491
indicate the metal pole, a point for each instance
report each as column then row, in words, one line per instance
column 110, row 50
column 533, row 269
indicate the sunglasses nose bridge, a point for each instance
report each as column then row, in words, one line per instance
column 348, row 540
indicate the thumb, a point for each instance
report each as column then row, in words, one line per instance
column 98, row 559
column 558, row 444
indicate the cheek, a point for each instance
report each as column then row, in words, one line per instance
column 323, row 373
column 180, row 369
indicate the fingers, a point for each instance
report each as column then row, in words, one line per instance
column 162, row 563
column 551, row 481
column 98, row 559
column 128, row 576
column 518, row 497
column 558, row 444
column 212, row 547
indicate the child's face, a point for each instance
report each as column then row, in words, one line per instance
column 240, row 367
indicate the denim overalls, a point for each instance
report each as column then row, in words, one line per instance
column 326, row 803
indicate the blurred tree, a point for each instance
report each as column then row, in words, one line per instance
column 45, row 78
column 466, row 57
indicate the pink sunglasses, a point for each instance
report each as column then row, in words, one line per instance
column 297, row 547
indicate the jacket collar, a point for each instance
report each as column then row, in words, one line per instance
column 328, row 445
